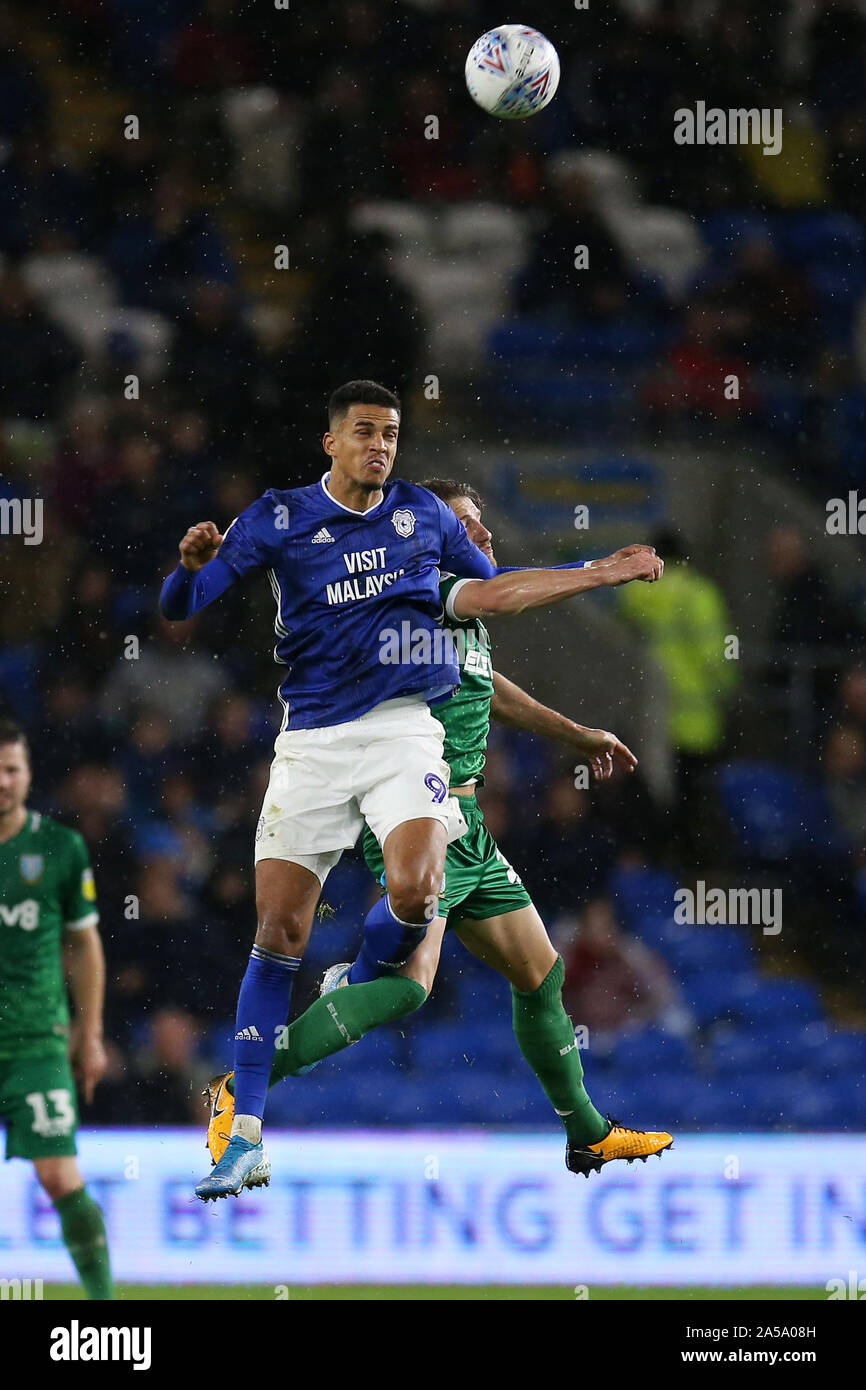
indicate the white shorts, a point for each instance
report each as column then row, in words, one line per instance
column 384, row 768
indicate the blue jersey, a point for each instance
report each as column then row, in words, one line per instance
column 357, row 595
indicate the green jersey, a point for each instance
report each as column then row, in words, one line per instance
column 46, row 887
column 466, row 716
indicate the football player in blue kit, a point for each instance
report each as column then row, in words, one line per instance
column 354, row 562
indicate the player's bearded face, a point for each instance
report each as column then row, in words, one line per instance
column 14, row 777
column 364, row 444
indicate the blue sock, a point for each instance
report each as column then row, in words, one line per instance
column 263, row 1007
column 388, row 943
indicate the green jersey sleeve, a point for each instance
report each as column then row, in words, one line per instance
column 78, row 893
column 466, row 716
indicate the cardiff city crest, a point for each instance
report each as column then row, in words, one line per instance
column 404, row 522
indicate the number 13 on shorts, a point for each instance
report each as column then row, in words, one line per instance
column 48, row 1125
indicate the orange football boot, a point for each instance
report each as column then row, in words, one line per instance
column 221, row 1104
column 619, row 1142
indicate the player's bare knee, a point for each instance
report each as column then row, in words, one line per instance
column 55, row 1188
column 528, row 978
column 283, row 932
column 57, row 1180
column 423, row 973
column 415, row 898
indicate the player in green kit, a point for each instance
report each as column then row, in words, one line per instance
column 482, row 894
column 48, row 906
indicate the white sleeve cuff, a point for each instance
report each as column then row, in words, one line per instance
column 91, row 920
column 449, row 602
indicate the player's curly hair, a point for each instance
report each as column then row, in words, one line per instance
column 360, row 393
column 446, row 488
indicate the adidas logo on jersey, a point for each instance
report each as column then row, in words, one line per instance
column 322, row 536
column 250, row 1034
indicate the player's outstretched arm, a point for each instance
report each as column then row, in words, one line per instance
column 602, row 750
column 200, row 577
column 577, row 564
column 516, row 590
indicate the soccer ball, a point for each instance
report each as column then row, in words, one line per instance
column 512, row 72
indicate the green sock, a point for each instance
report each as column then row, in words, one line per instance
column 341, row 1018
column 545, row 1035
column 83, row 1231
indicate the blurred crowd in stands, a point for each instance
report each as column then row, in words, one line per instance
column 129, row 263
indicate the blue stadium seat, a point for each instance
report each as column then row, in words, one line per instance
column 643, row 894
column 852, row 1112
column 324, row 1097
column 652, row 1053
column 784, row 1096
column 486, row 1097
column 373, row 1087
column 486, row 1042
column 565, row 399
column 775, row 814
column 806, row 1039
column 381, row 1048
column 712, row 1107
column 747, row 1051
column 850, row 440
column 662, row 933
column 761, row 1100
column 438, row 1093
column 842, row 1053
column 782, row 402
column 616, row 1088
column 663, row 937
column 492, row 1038
column 712, row 996
column 414, row 1102
column 519, row 339
column 660, row 1101
column 615, row 342
column 333, row 939
column 829, row 1105
column 299, row 1102
column 18, row 680
column 838, row 290
column 821, row 237
column 439, row 1045
column 217, row 1049
column 483, row 994
column 533, row 342
column 348, row 890
column 775, row 1001
column 460, row 963
column 714, row 949
column 723, row 231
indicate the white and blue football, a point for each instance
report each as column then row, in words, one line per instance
column 512, row 72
